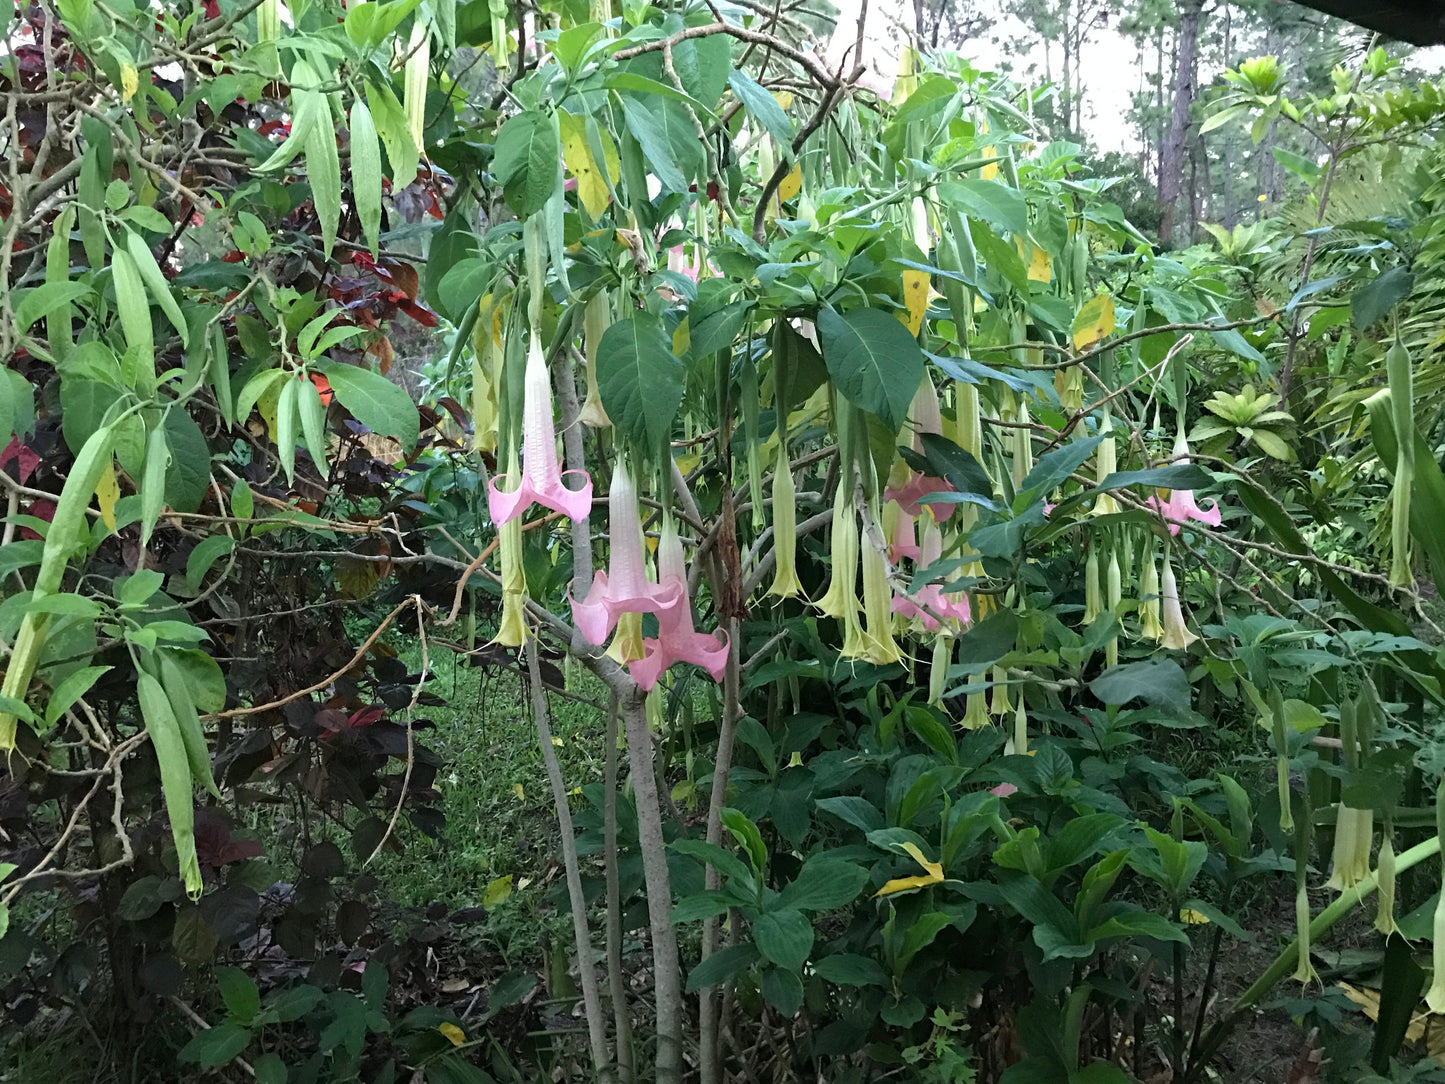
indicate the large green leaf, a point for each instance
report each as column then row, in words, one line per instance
column 764, row 108
column 1160, row 682
column 528, row 161
column 823, row 884
column 374, row 401
column 874, row 360
column 784, row 937
column 1002, row 207
column 640, row 378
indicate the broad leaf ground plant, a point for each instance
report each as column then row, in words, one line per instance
column 970, row 697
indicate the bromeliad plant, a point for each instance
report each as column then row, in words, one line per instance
column 872, row 379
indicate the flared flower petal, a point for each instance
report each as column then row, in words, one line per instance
column 1180, row 507
column 542, row 479
column 624, row 588
column 677, row 640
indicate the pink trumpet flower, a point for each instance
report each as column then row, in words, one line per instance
column 677, row 261
column 542, row 477
column 677, row 640
column 625, row 588
column 924, row 416
column 902, row 533
column 1181, row 507
column 928, row 603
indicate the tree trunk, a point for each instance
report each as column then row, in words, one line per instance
column 1171, row 163
column 667, row 982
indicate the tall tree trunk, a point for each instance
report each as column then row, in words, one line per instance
column 1171, row 163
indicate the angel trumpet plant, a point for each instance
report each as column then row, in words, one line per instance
column 624, row 588
column 541, row 476
column 928, row 604
column 677, row 640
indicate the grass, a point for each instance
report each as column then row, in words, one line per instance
column 500, row 818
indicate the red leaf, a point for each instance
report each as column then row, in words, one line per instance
column 25, row 460
column 418, row 312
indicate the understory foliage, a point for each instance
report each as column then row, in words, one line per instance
column 1010, row 652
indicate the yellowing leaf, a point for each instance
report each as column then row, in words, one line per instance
column 557, row 741
column 990, row 171
column 681, row 338
column 497, row 891
column 1095, row 320
column 577, row 154
column 1040, row 269
column 688, row 462
column 519, row 791
column 1190, row 917
column 784, row 99
column 791, row 184
column 107, row 492
column 933, row 876
column 915, row 296
column 455, row 1034
column 129, row 82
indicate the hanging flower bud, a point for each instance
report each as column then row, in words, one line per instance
column 975, row 712
column 1354, row 830
column 878, row 609
column 841, row 598
column 512, row 631
column 1023, row 445
column 1019, row 744
column 1069, row 385
column 596, row 318
column 268, row 21
column 1113, row 595
column 1304, row 973
column 1385, row 878
column 1149, row 626
column 1001, row 703
column 1105, row 463
column 1093, row 597
column 1435, row 998
column 938, row 669
column 541, row 477
column 785, row 528
column 418, row 64
column 486, row 365
column 968, row 422
column 1176, row 636
column 624, row 588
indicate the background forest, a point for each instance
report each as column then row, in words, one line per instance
column 720, row 541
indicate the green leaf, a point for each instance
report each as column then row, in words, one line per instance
column 1176, row 476
column 985, row 643
column 323, row 170
column 765, row 109
column 217, row 1046
column 170, row 749
column 657, row 131
column 725, row 862
column 401, row 150
column 153, row 482
column 313, row 422
column 823, row 884
column 189, row 474
column 722, row 966
column 178, row 691
column 270, row 1069
column 238, row 991
column 1138, row 924
column 528, row 161
column 1159, row 682
column 374, row 401
column 748, row 837
column 640, row 379
column 1371, row 302
column 36, row 304
column 366, row 167
column 873, row 359
column 783, row 990
column 287, row 417
column 784, row 938
column 71, row 690
column 207, row 552
column 850, row 969
column 156, row 283
column 1052, row 469
column 131, row 305
column 993, row 202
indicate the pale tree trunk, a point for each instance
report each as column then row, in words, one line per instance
column 1171, row 163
